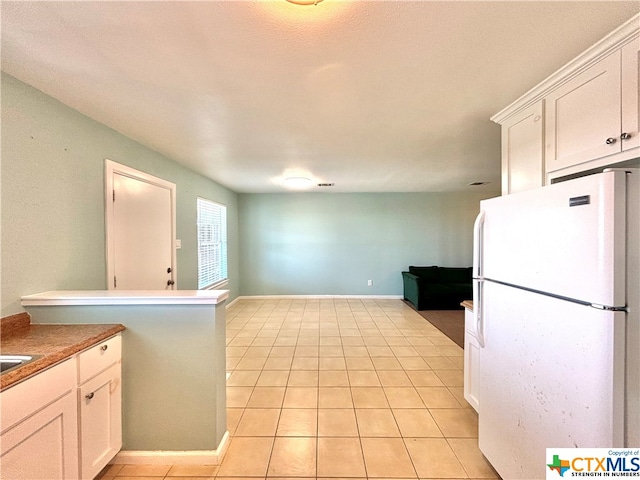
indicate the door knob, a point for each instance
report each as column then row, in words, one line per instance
column 170, row 282
column 625, row 136
column 611, row 141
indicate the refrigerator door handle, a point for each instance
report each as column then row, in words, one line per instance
column 478, row 231
column 478, row 318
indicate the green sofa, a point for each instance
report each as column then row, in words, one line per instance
column 437, row 288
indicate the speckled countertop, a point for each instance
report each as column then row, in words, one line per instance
column 53, row 342
column 468, row 304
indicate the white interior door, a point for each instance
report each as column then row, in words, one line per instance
column 140, row 230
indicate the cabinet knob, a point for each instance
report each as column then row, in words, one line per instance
column 611, row 141
column 104, row 347
column 89, row 396
column 625, row 136
column 170, row 282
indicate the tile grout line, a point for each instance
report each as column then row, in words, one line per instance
column 350, row 385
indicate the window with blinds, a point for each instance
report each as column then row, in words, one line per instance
column 212, row 243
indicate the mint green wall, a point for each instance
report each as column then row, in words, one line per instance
column 52, row 225
column 52, row 198
column 331, row 244
column 172, row 398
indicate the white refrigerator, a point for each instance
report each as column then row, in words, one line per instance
column 556, row 315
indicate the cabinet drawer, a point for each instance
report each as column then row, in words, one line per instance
column 98, row 358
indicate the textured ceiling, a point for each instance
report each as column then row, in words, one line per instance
column 374, row 96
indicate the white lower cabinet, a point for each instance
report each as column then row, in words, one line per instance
column 100, row 404
column 42, row 446
column 64, row 423
column 39, row 426
column 471, row 361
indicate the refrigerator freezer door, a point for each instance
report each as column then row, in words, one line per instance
column 551, row 375
column 567, row 239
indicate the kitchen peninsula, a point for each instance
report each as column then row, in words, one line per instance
column 173, row 366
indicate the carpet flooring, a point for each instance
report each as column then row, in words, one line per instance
column 449, row 322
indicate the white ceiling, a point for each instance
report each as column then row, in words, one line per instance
column 375, row 96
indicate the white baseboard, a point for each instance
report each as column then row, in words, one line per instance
column 230, row 304
column 171, row 457
column 315, row 297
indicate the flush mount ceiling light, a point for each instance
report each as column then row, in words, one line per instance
column 297, row 182
column 304, row 2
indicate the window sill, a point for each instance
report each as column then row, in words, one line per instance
column 217, row 286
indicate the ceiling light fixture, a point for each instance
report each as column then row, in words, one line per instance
column 304, row 2
column 297, row 183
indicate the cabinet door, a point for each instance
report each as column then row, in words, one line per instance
column 100, row 402
column 471, row 362
column 630, row 105
column 582, row 114
column 522, row 151
column 45, row 445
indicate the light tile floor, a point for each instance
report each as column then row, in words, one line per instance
column 338, row 388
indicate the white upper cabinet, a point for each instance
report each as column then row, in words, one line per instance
column 595, row 114
column 522, row 150
column 630, row 105
column 588, row 114
column 583, row 116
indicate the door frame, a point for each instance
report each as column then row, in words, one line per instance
column 111, row 168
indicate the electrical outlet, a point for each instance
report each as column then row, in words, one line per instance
column 369, row 282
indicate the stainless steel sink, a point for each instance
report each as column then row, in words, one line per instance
column 9, row 362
